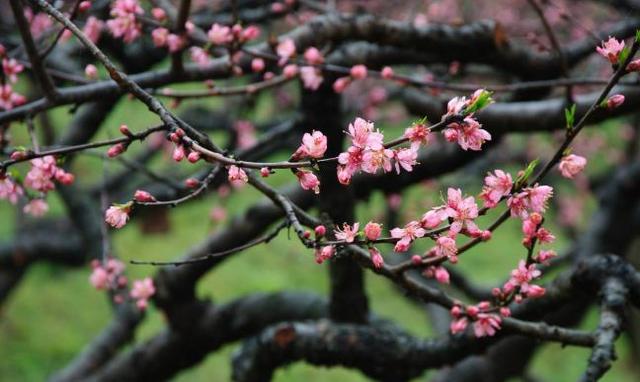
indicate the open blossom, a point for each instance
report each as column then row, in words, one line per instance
column 10, row 190
column 159, row 37
column 571, row 165
column 220, row 34
column 521, row 277
column 409, row 233
column 611, row 49
column 313, row 145
column 496, row 186
column 446, row 247
column 372, row 160
column 545, row 255
column 142, row 290
column 308, row 181
column 363, row 136
column 459, row 325
column 372, row 230
column 11, row 68
column 406, row 158
column 311, row 77
column 124, row 23
column 347, row 233
column 43, row 171
column 531, row 199
column 236, row 174
column 455, row 106
column 117, row 216
column 324, row 253
column 376, row 257
column 175, row 42
column 99, row 278
column 468, row 133
column 486, row 324
column 9, row 98
column 200, row 56
column 285, row 50
column 418, row 134
column 432, row 218
column 36, row 207
column 462, row 210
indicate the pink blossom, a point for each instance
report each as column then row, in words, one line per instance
column 142, row 290
column 537, row 197
column 439, row 273
column 469, row 134
column 387, row 72
column 611, row 49
column 91, row 72
column 372, row 160
column 521, row 277
column 36, row 207
column 159, row 14
column 496, row 186
column 285, row 50
column 178, row 153
column 237, row 174
column 408, row 234
column 308, row 181
column 160, row 36
column 39, row 23
column 344, row 174
column 99, row 278
column 93, row 28
column 486, row 324
column 545, row 255
column 376, row 257
column 313, row 145
column 9, row 190
column 9, row 98
column 363, row 136
column 446, row 247
column 313, row 56
column 124, row 24
column 347, row 233
column 84, row 6
column 634, row 66
column 571, row 165
column 265, row 172
column 117, row 216
column 324, row 253
column 220, row 34
column 11, row 68
column 615, row 101
column 249, row 33
column 418, row 134
column 372, row 230
column 311, row 77
column 459, row 325
column 358, row 72
column 341, row 84
column 175, row 42
column 455, row 106
column 432, row 218
column 246, row 133
column 406, row 158
column 43, row 170
column 462, row 211
column 200, row 56
column 545, row 236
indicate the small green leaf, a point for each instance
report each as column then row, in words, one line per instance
column 570, row 116
column 638, row 35
column 524, row 176
column 481, row 101
column 623, row 55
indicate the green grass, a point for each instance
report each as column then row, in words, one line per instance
column 54, row 312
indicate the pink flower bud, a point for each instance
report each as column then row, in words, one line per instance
column 615, row 101
column 159, row 14
column 124, row 130
column 505, row 312
column 84, row 6
column 320, row 231
column 634, row 66
column 416, row 259
column 442, row 276
column 376, row 258
column 486, row 235
column 387, row 73
column 372, row 230
column 341, row 84
column 178, row 153
column 456, row 311
column 18, row 155
column 91, row 72
column 264, row 172
column 473, row 310
column 143, row 197
column 571, row 165
column 65, row 178
column 193, row 157
column 306, row 234
column 257, row 65
column 313, row 56
column 290, row 71
column 250, row 33
column 192, row 182
column 535, row 291
column 116, row 150
column 358, row 72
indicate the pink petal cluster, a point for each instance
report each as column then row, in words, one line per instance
column 200, row 56
column 308, row 180
column 11, row 69
column 406, row 235
column 372, row 231
column 323, row 254
column 9, row 99
column 313, row 145
column 496, row 186
column 571, row 165
column 468, row 134
column 285, row 50
column 36, row 207
column 43, row 171
column 463, row 211
column 93, row 28
column 347, row 233
column 124, row 23
column 418, row 134
column 484, row 323
column 311, row 77
column 117, row 216
column 246, row 133
column 38, row 23
column 531, row 199
column 141, row 291
column 611, row 49
column 376, row 257
column 439, row 273
column 237, row 174
column 10, row 190
column 220, row 34
column 521, row 278
column 108, row 275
